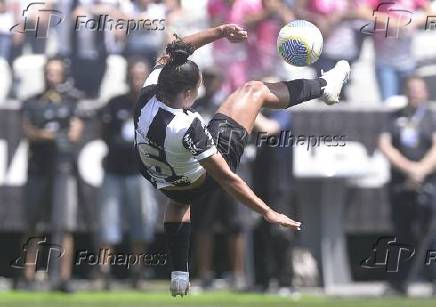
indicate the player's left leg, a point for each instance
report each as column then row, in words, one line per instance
column 177, row 224
column 245, row 103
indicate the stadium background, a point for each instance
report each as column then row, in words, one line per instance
column 365, row 208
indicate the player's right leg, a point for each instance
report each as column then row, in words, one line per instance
column 244, row 104
column 177, row 224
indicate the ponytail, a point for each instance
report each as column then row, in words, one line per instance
column 179, row 73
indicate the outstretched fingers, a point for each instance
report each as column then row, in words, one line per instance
column 281, row 219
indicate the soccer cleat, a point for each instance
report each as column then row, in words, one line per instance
column 335, row 78
column 179, row 283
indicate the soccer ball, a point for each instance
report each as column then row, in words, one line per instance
column 300, row 43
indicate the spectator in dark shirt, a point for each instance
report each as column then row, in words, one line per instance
column 409, row 143
column 89, row 50
column 52, row 127
column 148, row 40
column 273, row 182
column 6, row 22
column 124, row 191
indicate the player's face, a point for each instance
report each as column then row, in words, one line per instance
column 416, row 92
column 54, row 73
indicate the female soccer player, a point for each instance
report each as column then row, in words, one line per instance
column 184, row 158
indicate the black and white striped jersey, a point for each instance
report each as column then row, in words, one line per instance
column 170, row 142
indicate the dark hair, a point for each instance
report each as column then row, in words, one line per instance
column 178, row 74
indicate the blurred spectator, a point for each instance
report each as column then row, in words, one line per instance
column 213, row 94
column 217, row 212
column 264, row 24
column 145, row 42
column 124, row 191
column 273, row 183
column 32, row 26
column 342, row 40
column 52, row 128
column 6, row 22
column 232, row 58
column 409, row 143
column 184, row 18
column 178, row 19
column 394, row 57
column 63, row 30
column 88, row 47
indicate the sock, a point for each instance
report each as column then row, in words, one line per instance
column 301, row 90
column 178, row 235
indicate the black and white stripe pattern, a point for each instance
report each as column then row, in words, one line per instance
column 170, row 142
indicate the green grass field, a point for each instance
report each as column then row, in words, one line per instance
column 217, row 299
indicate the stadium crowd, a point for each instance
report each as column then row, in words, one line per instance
column 92, row 66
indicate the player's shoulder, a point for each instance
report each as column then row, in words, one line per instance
column 182, row 117
column 145, row 95
column 193, row 116
column 183, row 120
column 149, row 88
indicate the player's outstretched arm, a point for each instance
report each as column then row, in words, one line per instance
column 231, row 32
column 218, row 168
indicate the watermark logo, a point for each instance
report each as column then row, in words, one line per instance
column 393, row 21
column 43, row 254
column 128, row 26
column 106, row 257
column 285, row 139
column 33, row 21
column 38, row 253
column 383, row 22
column 38, row 18
column 388, row 254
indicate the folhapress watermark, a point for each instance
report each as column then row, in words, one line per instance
column 285, row 138
column 106, row 23
column 105, row 257
column 385, row 23
column 39, row 19
column 389, row 254
column 37, row 252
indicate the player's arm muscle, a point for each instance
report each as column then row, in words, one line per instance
column 232, row 32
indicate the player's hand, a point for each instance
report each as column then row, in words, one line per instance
column 233, row 33
column 277, row 218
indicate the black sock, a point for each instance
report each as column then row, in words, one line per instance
column 301, row 90
column 178, row 235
